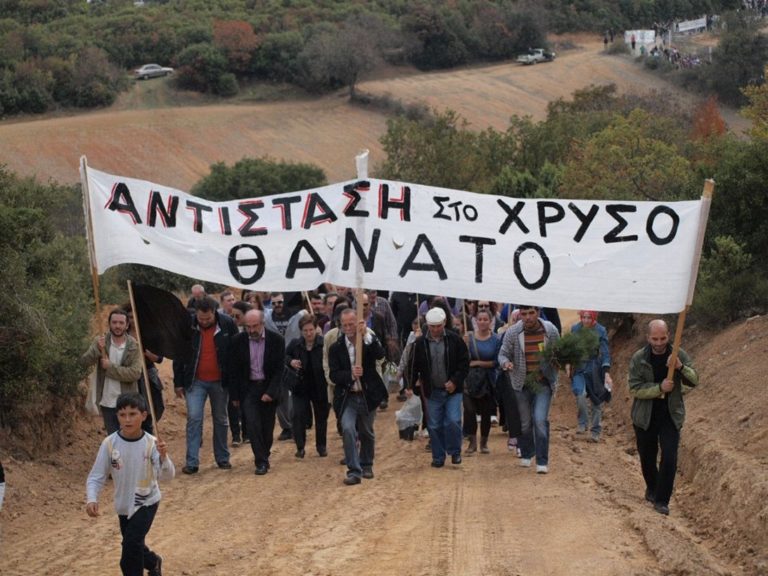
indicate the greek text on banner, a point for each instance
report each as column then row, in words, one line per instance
column 612, row 256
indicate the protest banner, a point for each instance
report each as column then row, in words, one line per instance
column 614, row 256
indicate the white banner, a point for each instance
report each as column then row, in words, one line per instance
column 610, row 256
column 641, row 36
column 698, row 24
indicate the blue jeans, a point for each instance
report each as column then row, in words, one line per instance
column 579, row 388
column 357, row 422
column 534, row 423
column 444, row 423
column 195, row 396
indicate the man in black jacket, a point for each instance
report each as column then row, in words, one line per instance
column 362, row 389
column 258, row 357
column 440, row 361
column 206, row 376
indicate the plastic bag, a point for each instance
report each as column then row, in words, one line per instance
column 410, row 414
column 389, row 375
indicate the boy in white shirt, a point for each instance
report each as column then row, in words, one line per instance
column 136, row 460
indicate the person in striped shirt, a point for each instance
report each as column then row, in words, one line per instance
column 534, row 382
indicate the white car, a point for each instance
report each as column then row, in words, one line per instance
column 151, row 71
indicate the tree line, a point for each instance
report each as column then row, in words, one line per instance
column 72, row 53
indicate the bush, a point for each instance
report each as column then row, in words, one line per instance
column 728, row 287
column 254, row 177
column 227, row 85
column 45, row 303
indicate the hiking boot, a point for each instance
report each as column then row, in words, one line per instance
column 472, row 448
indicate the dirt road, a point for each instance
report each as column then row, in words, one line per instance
column 486, row 516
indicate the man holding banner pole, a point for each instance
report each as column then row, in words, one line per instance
column 657, row 381
column 352, row 361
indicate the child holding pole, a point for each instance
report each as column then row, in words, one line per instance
column 136, row 460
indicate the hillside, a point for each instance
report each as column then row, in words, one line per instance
column 177, row 142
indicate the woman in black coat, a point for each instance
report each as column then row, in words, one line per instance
column 305, row 356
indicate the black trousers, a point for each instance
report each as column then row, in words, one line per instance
column 236, row 421
column 484, row 406
column 661, row 433
column 508, row 402
column 136, row 557
column 303, row 408
column 260, row 422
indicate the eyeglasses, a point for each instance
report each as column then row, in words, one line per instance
column 483, row 305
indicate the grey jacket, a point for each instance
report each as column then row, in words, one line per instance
column 513, row 350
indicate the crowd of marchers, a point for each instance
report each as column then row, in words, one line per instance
column 291, row 359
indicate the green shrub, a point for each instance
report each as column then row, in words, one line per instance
column 728, row 287
column 227, row 85
column 45, row 303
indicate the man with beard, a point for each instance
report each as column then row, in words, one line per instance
column 118, row 366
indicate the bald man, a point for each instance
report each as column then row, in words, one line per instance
column 258, row 357
column 658, row 411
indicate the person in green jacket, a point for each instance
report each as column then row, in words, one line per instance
column 658, row 411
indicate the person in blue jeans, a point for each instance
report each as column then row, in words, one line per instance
column 440, row 362
column 592, row 380
column 206, row 375
column 520, row 355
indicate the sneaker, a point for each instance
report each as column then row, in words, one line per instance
column 456, row 459
column 661, row 508
column 494, row 420
column 190, row 469
column 581, row 429
column 542, row 469
column 236, row 443
column 368, row 473
column 525, row 462
column 224, row 465
column 595, row 437
column 158, row 569
column 299, row 453
column 352, row 480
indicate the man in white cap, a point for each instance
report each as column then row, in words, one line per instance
column 440, row 362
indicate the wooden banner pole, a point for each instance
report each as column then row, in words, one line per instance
column 145, row 376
